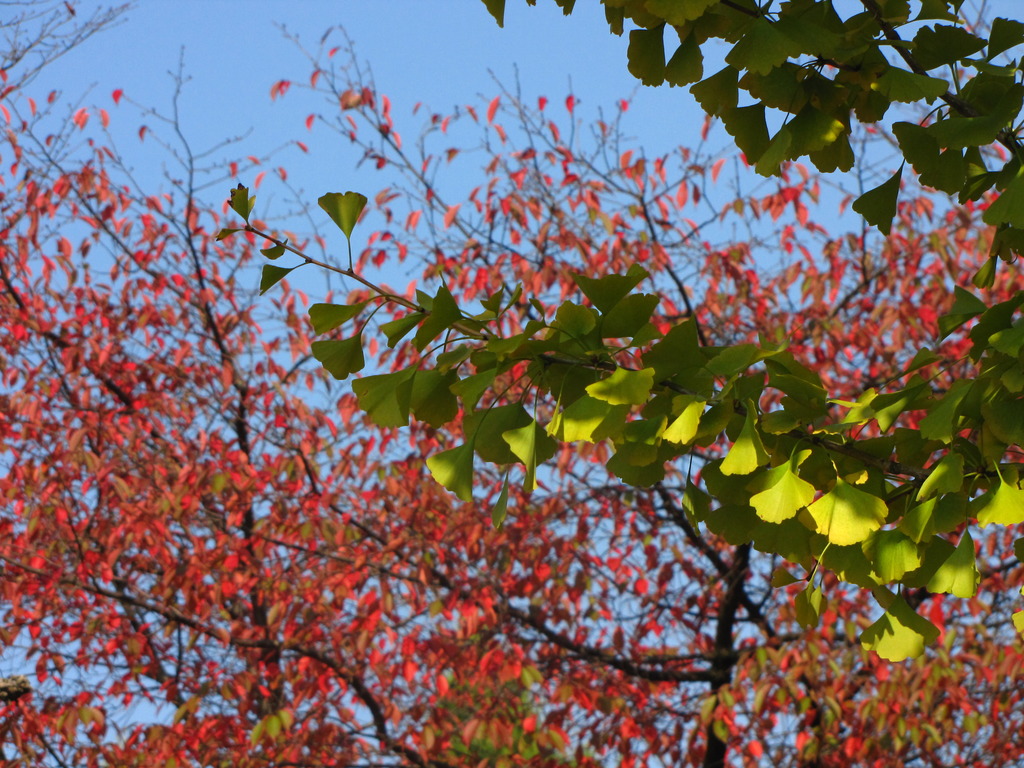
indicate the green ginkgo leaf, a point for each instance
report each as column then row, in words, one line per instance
column 784, row 495
column 385, row 398
column 1008, row 208
column 624, row 387
column 847, row 515
column 892, row 554
column 1004, row 506
column 341, row 357
column 605, row 292
column 327, row 317
column 590, row 420
column 646, row 55
column 532, row 446
column 945, row 477
column 899, row 633
column 959, row 575
column 808, row 606
column 454, row 470
column 240, row 201
column 683, row 428
column 500, row 508
column 878, row 206
column 344, row 209
column 747, row 453
column 272, row 275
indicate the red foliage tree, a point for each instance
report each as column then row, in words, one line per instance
column 210, row 559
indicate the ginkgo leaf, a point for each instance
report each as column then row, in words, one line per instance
column 808, row 606
column 1008, row 208
column 444, row 313
column 683, row 428
column 899, row 633
column 1005, row 34
column 959, row 575
column 344, row 209
column 747, row 453
column 944, row 44
column 628, row 316
column 497, row 9
column 487, row 426
column 274, row 251
column 847, row 515
column 605, row 292
column 500, row 508
column 748, row 127
column 785, row 494
column 272, row 275
column 762, row 48
column 590, row 420
column 878, row 206
column 945, row 477
column 900, row 85
column 687, row 63
column 940, row 514
column 454, row 469
column 341, row 357
column 646, row 55
column 532, row 446
column 327, row 317
column 1004, row 506
column 398, row 329
column 240, row 201
column 624, row 387
column 432, row 399
column 385, row 398
column 892, row 554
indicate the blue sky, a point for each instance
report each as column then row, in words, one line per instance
column 440, row 52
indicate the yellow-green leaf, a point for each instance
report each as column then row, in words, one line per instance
column 683, row 428
column 1004, row 506
column 899, row 633
column 959, row 575
column 784, row 497
column 747, row 453
column 847, row 515
column 454, row 470
column 624, row 387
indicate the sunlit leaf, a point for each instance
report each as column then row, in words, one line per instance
column 747, row 452
column 785, row 493
column 454, row 470
column 899, row 633
column 532, row 446
column 892, row 554
column 624, row 387
column 846, row 514
column 959, row 575
column 683, row 429
column 1004, row 506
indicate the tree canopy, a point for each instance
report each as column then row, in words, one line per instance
column 882, row 489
